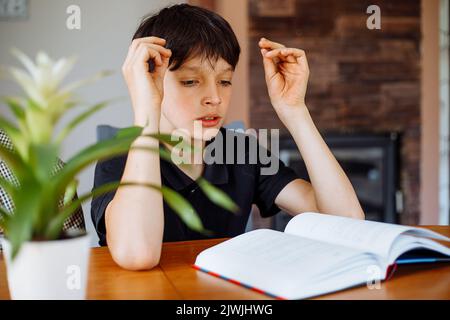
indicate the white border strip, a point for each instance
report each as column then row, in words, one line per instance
column 444, row 194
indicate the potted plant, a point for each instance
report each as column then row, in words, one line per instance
column 42, row 261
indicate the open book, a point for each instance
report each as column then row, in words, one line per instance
column 318, row 254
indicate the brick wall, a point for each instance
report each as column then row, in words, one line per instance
column 361, row 80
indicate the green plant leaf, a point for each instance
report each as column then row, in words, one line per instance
column 129, row 132
column 14, row 162
column 26, row 61
column 15, row 107
column 100, row 151
column 184, row 209
column 77, row 84
column 79, row 119
column 26, row 82
column 27, row 205
column 17, row 139
column 40, row 126
column 161, row 137
column 7, row 186
column 217, row 196
column 4, row 215
column 43, row 159
column 62, row 67
column 164, row 137
column 177, row 202
column 167, row 139
column 48, row 208
column 71, row 191
column 163, row 152
column 55, row 225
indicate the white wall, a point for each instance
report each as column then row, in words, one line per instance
column 107, row 27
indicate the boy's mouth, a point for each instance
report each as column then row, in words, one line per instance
column 210, row 120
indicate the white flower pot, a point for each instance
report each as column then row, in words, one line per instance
column 48, row 269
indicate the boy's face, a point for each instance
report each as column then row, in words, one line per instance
column 196, row 92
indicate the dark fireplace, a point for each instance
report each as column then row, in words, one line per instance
column 370, row 161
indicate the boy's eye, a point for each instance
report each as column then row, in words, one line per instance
column 188, row 83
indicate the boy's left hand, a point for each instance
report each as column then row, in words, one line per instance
column 286, row 72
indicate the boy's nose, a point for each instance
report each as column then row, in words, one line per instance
column 213, row 101
column 213, row 97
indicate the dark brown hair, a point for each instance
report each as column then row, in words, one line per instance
column 191, row 31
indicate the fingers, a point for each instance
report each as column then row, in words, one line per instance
column 285, row 52
column 270, row 45
column 274, row 52
column 291, row 55
column 145, row 52
column 270, row 66
column 151, row 40
column 270, row 62
column 143, row 49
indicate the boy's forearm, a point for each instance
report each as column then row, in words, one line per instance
column 333, row 190
column 135, row 218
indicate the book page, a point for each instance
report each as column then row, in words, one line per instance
column 369, row 236
column 278, row 262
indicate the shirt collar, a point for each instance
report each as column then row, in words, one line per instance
column 215, row 173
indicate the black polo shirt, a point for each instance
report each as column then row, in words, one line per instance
column 244, row 183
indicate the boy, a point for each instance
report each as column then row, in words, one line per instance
column 179, row 71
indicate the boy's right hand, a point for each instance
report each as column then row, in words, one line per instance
column 146, row 89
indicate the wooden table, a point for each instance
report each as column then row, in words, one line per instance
column 175, row 278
